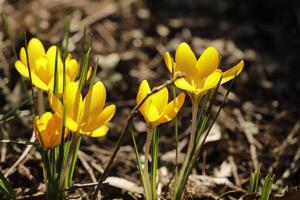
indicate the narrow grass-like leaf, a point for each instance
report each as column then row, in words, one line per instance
column 84, row 69
column 95, row 68
column 6, row 188
column 56, row 81
column 267, row 187
column 254, row 179
column 154, row 163
column 70, row 172
column 139, row 163
column 175, row 121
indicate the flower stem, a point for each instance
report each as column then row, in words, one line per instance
column 146, row 172
column 182, row 178
column 195, row 105
column 69, row 159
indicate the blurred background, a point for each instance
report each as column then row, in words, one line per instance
column 260, row 123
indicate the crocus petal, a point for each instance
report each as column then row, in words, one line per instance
column 144, row 89
column 169, row 62
column 23, row 56
column 183, row 84
column 42, row 69
column 55, row 104
column 151, row 114
column 208, row 62
column 71, row 124
column 35, row 50
column 171, row 110
column 21, row 68
column 100, row 132
column 48, row 130
column 160, row 99
column 72, row 100
column 60, row 80
column 234, row 71
column 38, row 82
column 94, row 101
column 212, row 80
column 51, row 55
column 105, row 116
column 72, row 68
column 185, row 60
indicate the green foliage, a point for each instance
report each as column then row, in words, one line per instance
column 5, row 188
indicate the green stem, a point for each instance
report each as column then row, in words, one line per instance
column 146, row 172
column 195, row 105
column 180, row 181
column 71, row 152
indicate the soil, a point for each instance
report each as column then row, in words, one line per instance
column 259, row 124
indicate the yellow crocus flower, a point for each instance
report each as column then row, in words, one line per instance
column 48, row 130
column 156, row 109
column 85, row 116
column 202, row 74
column 42, row 65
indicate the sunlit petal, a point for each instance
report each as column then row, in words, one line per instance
column 55, row 104
column 186, row 61
column 72, row 100
column 234, row 71
column 208, row 62
column 169, row 62
column 105, row 116
column 35, row 50
column 171, row 110
column 72, row 68
column 94, row 101
column 100, row 132
column 144, row 89
column 21, row 68
column 212, row 80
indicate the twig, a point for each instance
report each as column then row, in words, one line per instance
column 125, row 130
column 234, row 171
column 250, row 138
column 21, row 158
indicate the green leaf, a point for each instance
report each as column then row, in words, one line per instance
column 84, row 69
column 6, row 188
column 154, row 163
column 254, row 179
column 139, row 163
column 267, row 187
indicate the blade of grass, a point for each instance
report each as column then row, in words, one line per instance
column 95, row 68
column 267, row 187
column 154, row 163
column 84, row 70
column 139, row 163
column 6, row 188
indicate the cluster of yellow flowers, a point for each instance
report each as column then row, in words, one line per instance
column 88, row 115
column 200, row 75
column 82, row 116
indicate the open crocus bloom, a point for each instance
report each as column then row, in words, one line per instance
column 156, row 109
column 86, row 116
column 42, row 65
column 48, row 130
column 202, row 74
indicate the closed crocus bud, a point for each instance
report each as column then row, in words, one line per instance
column 48, row 130
column 202, row 74
column 156, row 109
